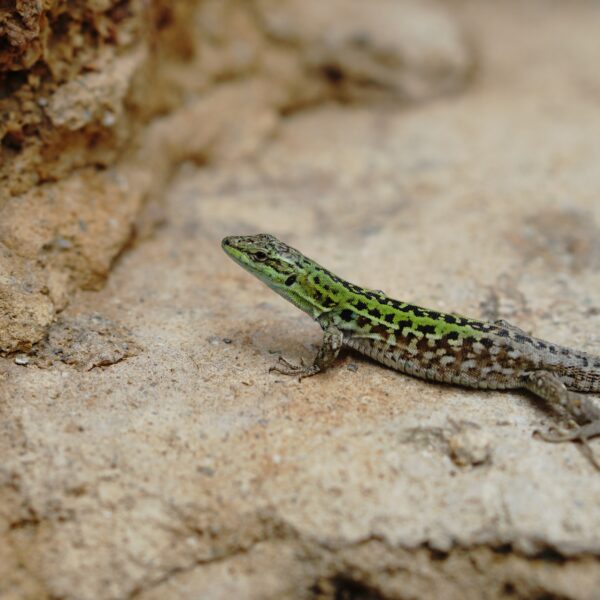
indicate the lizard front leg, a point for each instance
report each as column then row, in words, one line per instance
column 328, row 352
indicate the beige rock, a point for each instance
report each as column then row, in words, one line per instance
column 95, row 97
column 401, row 49
column 77, row 226
column 187, row 470
column 26, row 309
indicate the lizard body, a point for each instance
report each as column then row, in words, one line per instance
column 422, row 342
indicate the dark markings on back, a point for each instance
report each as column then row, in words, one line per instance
column 381, row 330
column 363, row 321
column 421, row 312
column 427, row 328
column 346, row 315
column 375, row 313
column 372, row 295
column 328, row 302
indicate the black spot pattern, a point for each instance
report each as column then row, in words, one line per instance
column 371, row 295
column 375, row 313
column 419, row 312
column 427, row 328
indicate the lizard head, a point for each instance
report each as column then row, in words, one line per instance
column 282, row 268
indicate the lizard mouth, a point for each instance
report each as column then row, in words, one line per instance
column 230, row 247
column 227, row 242
column 235, row 248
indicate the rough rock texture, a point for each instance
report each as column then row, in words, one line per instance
column 84, row 342
column 136, row 87
column 24, row 303
column 188, row 471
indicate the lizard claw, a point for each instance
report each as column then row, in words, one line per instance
column 581, row 434
column 285, row 367
column 288, row 368
column 557, row 436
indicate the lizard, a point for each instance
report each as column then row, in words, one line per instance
column 422, row 342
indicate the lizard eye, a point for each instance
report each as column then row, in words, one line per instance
column 260, row 256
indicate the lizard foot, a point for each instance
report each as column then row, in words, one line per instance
column 288, row 368
column 581, row 434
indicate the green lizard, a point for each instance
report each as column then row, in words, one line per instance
column 422, row 342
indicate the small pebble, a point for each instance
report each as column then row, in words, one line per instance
column 109, row 119
column 204, row 470
column 22, row 360
column 352, row 367
column 227, row 340
column 63, row 243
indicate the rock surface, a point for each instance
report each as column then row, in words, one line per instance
column 189, row 471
